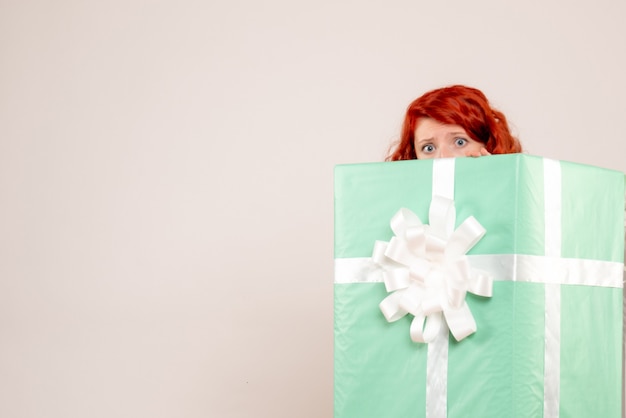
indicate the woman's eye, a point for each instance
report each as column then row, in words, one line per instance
column 460, row 142
column 428, row 148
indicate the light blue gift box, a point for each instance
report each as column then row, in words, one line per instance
column 503, row 369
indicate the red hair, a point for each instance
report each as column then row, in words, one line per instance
column 457, row 105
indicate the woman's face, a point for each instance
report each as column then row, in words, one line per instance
column 437, row 140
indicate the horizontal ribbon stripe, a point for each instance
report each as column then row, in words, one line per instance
column 507, row 267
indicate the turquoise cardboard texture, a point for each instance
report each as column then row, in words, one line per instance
column 499, row 370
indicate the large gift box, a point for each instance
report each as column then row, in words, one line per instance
column 478, row 287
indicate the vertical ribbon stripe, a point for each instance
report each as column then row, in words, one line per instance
column 437, row 357
column 437, row 375
column 552, row 349
column 443, row 177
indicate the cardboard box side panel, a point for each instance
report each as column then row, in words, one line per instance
column 368, row 195
column 379, row 371
column 496, row 372
column 528, row 349
column 593, row 207
column 530, row 208
column 485, row 189
column 591, row 352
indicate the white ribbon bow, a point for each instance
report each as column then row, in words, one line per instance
column 428, row 273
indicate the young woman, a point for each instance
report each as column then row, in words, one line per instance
column 455, row 121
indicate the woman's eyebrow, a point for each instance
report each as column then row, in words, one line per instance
column 417, row 140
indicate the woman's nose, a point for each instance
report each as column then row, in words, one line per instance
column 444, row 153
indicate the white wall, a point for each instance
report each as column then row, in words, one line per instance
column 166, row 184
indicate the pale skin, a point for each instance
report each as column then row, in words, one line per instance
column 437, row 140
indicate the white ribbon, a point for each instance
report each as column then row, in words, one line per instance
column 507, row 267
column 428, row 274
column 552, row 292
